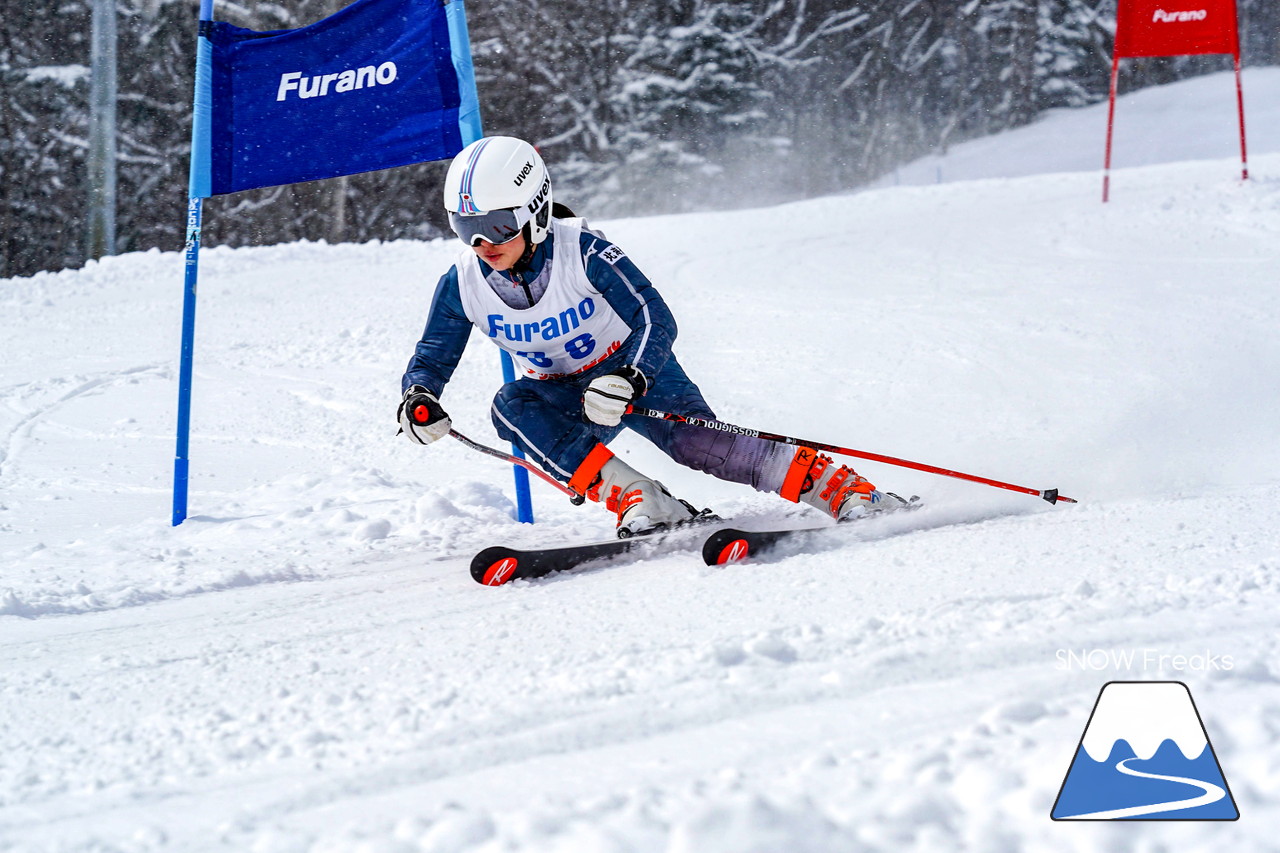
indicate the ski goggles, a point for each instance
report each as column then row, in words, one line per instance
column 493, row 226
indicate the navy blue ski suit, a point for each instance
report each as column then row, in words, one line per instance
column 544, row 416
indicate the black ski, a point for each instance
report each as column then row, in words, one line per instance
column 500, row 564
column 729, row 544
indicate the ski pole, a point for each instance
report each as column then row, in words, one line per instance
column 516, row 460
column 1050, row 495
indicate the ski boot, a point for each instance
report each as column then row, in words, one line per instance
column 838, row 492
column 642, row 505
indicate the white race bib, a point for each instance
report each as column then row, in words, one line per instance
column 571, row 329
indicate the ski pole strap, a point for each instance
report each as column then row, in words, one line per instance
column 516, row 460
column 1050, row 495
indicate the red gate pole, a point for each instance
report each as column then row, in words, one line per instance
column 1111, row 118
column 1244, row 155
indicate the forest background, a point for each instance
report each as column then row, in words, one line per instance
column 639, row 106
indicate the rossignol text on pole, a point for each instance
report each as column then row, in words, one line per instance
column 1050, row 495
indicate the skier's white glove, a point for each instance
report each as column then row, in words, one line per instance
column 606, row 399
column 421, row 417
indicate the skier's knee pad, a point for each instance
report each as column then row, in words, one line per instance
column 511, row 398
column 509, row 406
column 525, row 401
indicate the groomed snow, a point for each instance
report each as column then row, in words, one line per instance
column 306, row 664
column 1192, row 119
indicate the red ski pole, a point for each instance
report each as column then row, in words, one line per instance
column 516, row 460
column 1050, row 495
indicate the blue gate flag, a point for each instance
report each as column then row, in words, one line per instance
column 379, row 84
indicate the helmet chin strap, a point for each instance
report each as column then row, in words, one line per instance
column 526, row 231
column 529, row 247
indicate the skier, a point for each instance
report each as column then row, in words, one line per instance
column 589, row 335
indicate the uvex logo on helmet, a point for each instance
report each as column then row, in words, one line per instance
column 1163, row 17
column 537, row 201
column 524, row 173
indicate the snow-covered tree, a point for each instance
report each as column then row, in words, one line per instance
column 640, row 106
column 43, row 136
column 1073, row 51
column 687, row 94
column 1260, row 31
column 1007, row 33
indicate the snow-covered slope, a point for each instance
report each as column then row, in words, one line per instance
column 1193, row 119
column 307, row 665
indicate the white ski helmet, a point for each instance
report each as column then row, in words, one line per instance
column 496, row 187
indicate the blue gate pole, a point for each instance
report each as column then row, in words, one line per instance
column 197, row 191
column 524, row 501
column 471, row 130
column 182, row 461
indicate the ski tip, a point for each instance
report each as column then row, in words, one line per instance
column 500, row 572
column 725, row 546
column 736, row 550
column 494, row 567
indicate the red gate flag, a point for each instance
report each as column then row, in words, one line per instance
column 1173, row 28
column 1176, row 27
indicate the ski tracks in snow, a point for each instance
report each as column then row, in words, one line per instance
column 20, row 431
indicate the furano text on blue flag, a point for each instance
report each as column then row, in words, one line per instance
column 346, row 81
column 378, row 84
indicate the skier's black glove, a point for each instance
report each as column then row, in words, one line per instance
column 606, row 399
column 421, row 417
